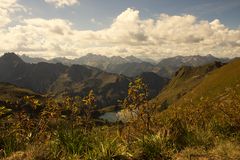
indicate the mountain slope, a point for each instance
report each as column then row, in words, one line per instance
column 171, row 65
column 130, row 69
column 79, row 80
column 194, row 85
column 217, row 82
column 37, row 77
column 213, row 105
column 154, row 82
column 195, row 60
column 109, row 88
column 183, row 82
column 13, row 93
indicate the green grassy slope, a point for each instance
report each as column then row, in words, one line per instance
column 212, row 105
column 184, row 80
column 216, row 82
column 12, row 93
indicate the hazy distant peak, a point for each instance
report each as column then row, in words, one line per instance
column 29, row 59
column 94, row 55
column 61, row 58
column 117, row 59
column 133, row 59
column 149, row 60
column 24, row 55
column 210, row 55
column 90, row 54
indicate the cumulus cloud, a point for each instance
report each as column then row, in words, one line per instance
column 8, row 7
column 62, row 3
column 128, row 34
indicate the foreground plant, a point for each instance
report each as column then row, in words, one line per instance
column 108, row 149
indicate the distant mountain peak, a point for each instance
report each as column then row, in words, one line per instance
column 12, row 57
column 117, row 60
column 132, row 58
column 210, row 55
column 93, row 55
column 28, row 59
column 116, row 57
column 90, row 54
column 60, row 58
column 24, row 55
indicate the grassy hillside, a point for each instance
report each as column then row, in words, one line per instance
column 12, row 93
column 205, row 121
column 216, row 82
column 214, row 98
column 184, row 80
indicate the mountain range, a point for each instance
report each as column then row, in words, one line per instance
column 59, row 80
column 62, row 77
column 132, row 66
column 90, row 59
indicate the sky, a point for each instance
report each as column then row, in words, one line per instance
column 144, row 28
